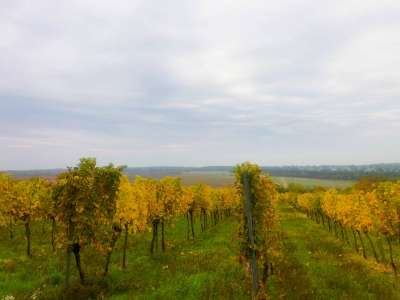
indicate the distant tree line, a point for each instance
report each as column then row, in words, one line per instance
column 353, row 172
column 388, row 171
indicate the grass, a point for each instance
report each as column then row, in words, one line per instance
column 313, row 264
column 225, row 178
column 189, row 270
column 317, row 265
column 312, row 182
column 207, row 268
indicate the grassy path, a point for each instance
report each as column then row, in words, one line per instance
column 313, row 265
column 206, row 268
column 316, row 265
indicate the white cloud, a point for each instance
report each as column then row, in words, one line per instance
column 198, row 82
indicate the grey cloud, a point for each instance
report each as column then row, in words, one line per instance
column 191, row 83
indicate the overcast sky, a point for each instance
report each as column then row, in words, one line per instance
column 149, row 83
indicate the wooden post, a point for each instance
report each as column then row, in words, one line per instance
column 68, row 265
column 188, row 226
column 125, row 246
column 250, row 231
column 162, row 236
column 28, row 237
column 53, row 233
column 191, row 223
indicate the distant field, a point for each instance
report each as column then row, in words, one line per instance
column 215, row 179
column 222, row 178
column 311, row 182
column 226, row 178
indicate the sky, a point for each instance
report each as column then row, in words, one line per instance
column 194, row 83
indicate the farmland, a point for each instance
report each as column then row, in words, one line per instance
column 316, row 266
column 199, row 150
column 226, row 178
column 189, row 270
column 312, row 182
column 189, row 239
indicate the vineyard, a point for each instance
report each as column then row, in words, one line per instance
column 93, row 233
column 359, row 216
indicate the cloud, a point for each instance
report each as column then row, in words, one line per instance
column 194, row 83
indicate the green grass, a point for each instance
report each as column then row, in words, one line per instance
column 312, row 182
column 189, row 270
column 207, row 268
column 226, row 178
column 317, row 265
column 313, row 264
